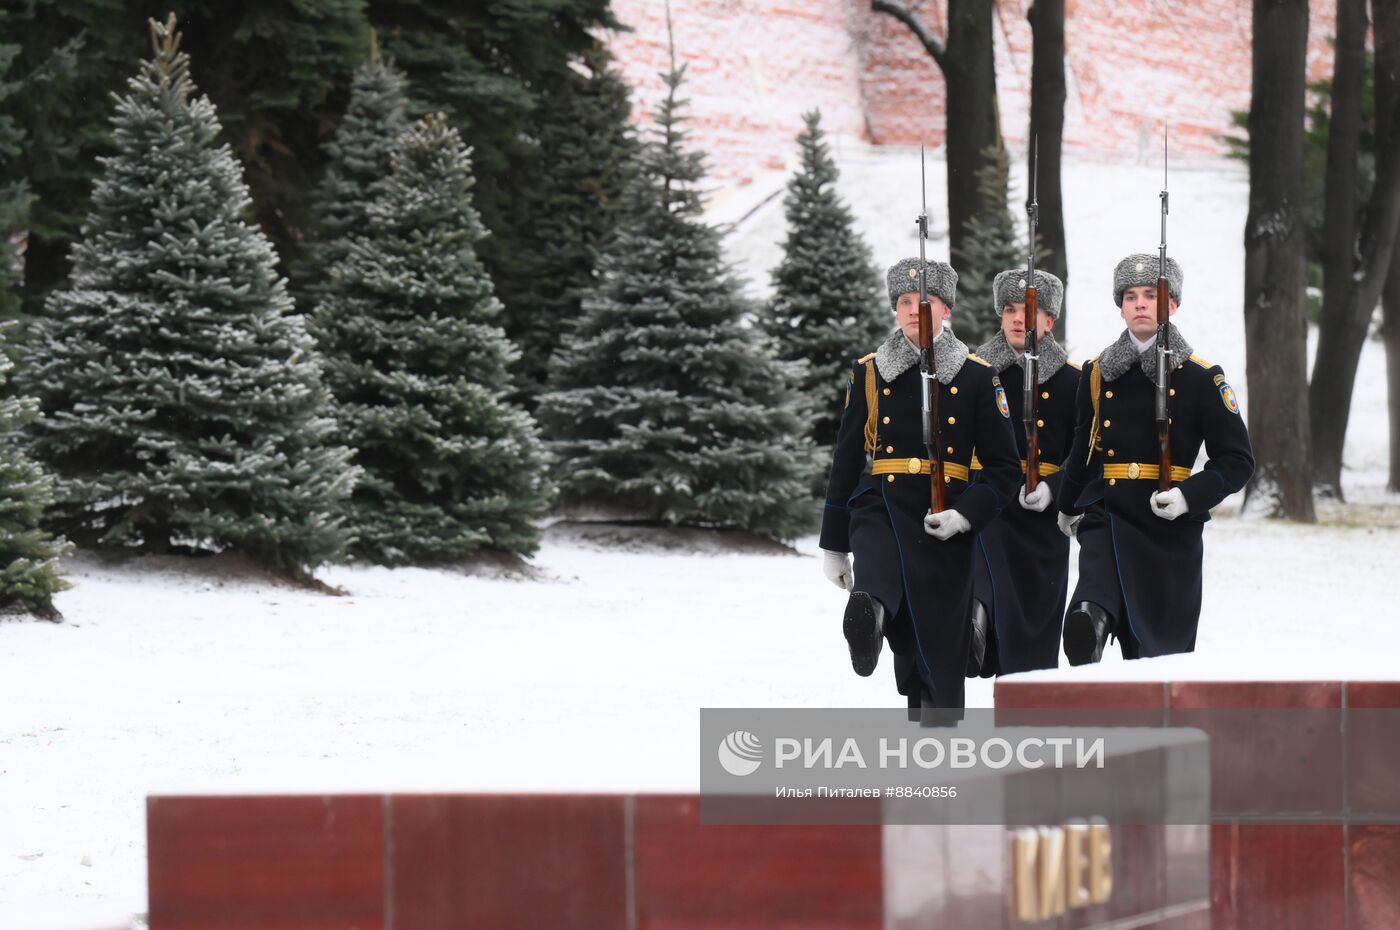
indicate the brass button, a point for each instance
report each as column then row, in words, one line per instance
column 889, row 448
column 1134, row 470
column 1112, row 480
column 887, row 392
column 1172, row 392
column 952, row 420
column 913, row 466
column 887, row 419
column 889, row 477
column 952, row 390
column 1044, row 395
column 947, row 479
column 1040, row 423
column 950, row 450
column 1107, row 393
column 1110, row 452
column 1106, row 423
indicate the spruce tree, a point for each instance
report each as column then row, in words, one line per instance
column 418, row 365
column 587, row 149
column 358, row 169
column 665, row 406
column 29, row 555
column 828, row 305
column 993, row 245
column 183, row 404
column 14, row 194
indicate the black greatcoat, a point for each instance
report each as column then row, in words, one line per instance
column 1022, row 572
column 1143, row 569
column 924, row 584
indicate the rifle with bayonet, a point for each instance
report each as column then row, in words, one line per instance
column 1030, row 357
column 928, row 371
column 1164, row 350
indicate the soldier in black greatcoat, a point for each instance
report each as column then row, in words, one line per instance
column 911, row 582
column 1140, row 549
column 1022, row 560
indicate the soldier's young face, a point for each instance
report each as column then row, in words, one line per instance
column 906, row 308
column 1013, row 324
column 1140, row 310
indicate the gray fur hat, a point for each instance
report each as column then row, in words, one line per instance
column 1140, row 269
column 1009, row 287
column 940, row 280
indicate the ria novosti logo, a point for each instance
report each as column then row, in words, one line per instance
column 740, row 753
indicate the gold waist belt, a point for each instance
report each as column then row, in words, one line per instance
column 1135, row 470
column 914, row 466
column 1045, row 467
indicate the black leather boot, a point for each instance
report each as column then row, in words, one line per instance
column 1087, row 628
column 978, row 651
column 864, row 628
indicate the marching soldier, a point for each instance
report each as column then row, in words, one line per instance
column 1140, row 549
column 911, row 582
column 1022, row 565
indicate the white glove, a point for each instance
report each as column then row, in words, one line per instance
column 1038, row 499
column 836, row 566
column 945, row 524
column 1169, row 504
column 1069, row 525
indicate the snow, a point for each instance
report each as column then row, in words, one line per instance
column 589, row 672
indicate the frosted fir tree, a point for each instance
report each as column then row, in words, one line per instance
column 418, row 364
column 665, row 406
column 29, row 555
column 184, row 410
column 829, row 303
column 587, row 153
column 357, row 171
column 993, row 245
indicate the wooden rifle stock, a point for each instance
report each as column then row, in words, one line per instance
column 1164, row 440
column 1030, row 392
column 933, row 430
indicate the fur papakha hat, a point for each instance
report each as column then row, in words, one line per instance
column 1141, row 269
column 940, row 280
column 1009, row 287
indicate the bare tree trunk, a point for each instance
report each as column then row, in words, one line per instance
column 970, row 76
column 1387, row 39
column 1275, row 275
column 1047, row 19
column 1355, row 269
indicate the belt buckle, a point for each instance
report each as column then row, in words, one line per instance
column 1134, row 470
column 913, row 466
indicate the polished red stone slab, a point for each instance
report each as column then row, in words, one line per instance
column 694, row 877
column 1130, row 695
column 1373, row 748
column 508, row 861
column 274, row 863
column 1277, row 877
column 1374, row 877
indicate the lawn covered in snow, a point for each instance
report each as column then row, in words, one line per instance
column 587, row 671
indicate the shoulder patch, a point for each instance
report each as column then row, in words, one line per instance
column 865, row 358
column 981, row 361
column 1202, row 362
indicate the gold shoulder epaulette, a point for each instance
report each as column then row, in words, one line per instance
column 1202, row 362
column 865, row 358
column 979, row 360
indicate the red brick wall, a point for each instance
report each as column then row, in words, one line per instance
column 756, row 65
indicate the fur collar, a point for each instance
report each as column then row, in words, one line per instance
column 897, row 355
column 1117, row 359
column 999, row 354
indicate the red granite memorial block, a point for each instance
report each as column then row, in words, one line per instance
column 508, row 862
column 1277, row 877
column 1373, row 751
column 274, row 863
column 1374, row 886
column 1126, row 695
column 1275, row 746
column 694, row 877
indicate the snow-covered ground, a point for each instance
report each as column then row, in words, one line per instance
column 589, row 673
